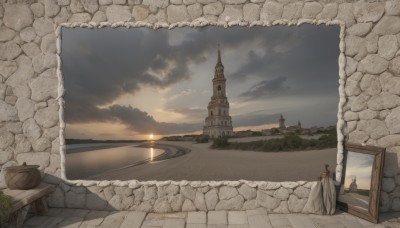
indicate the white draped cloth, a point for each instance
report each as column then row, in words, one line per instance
column 315, row 204
column 329, row 195
column 322, row 198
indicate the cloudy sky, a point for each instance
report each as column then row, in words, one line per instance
column 128, row 83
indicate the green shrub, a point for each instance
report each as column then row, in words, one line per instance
column 220, row 142
column 256, row 133
column 202, row 139
column 290, row 142
column 5, row 205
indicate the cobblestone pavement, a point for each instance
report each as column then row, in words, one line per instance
column 258, row 218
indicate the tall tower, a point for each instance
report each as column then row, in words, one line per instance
column 282, row 123
column 218, row 122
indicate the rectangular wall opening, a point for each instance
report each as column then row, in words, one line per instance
column 200, row 104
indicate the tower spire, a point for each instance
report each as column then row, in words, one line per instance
column 219, row 67
column 219, row 62
column 219, row 54
column 218, row 122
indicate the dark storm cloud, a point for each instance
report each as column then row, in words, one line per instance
column 143, row 123
column 266, row 88
column 307, row 56
column 113, row 64
column 100, row 65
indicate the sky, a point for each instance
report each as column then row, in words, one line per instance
column 128, row 83
column 360, row 166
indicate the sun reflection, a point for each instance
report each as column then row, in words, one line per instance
column 151, row 154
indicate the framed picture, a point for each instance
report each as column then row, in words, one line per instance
column 361, row 184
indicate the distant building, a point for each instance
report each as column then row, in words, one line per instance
column 297, row 129
column 266, row 132
column 218, row 122
column 282, row 123
column 353, row 185
column 314, row 130
column 246, row 133
column 283, row 129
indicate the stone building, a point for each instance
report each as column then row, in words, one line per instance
column 218, row 122
column 282, row 123
column 353, row 185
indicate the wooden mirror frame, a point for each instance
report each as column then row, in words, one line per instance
column 376, row 178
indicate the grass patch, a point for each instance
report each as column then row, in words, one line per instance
column 5, row 206
column 290, row 142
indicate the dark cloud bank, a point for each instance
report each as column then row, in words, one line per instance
column 100, row 65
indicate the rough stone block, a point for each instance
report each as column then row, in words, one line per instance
column 292, row 11
column 188, row 205
column 234, row 203
column 271, row 11
column 177, row 13
column 231, row 13
column 295, row 204
column 311, row 9
column 359, row 29
column 9, row 50
column 328, row 12
column 43, row 26
column 251, row 12
column 388, row 184
column 383, row 101
column 368, row 12
column 265, row 200
column 247, row 192
column 388, row 25
column 226, row 192
column 17, row 16
column 116, row 13
column 345, row 14
column 393, row 122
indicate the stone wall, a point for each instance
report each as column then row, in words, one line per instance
column 168, row 196
column 31, row 126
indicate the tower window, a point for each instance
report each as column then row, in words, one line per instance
column 219, row 88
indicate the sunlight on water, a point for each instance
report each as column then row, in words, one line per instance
column 94, row 162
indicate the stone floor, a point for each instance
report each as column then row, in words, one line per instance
column 258, row 218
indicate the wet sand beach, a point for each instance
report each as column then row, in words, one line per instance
column 91, row 161
column 202, row 163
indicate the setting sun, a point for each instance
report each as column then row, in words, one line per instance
column 151, row 136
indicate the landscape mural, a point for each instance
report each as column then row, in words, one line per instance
column 208, row 103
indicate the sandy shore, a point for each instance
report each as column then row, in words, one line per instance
column 93, row 162
column 203, row 164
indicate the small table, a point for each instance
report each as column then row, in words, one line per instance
column 21, row 198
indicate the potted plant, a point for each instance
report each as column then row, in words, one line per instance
column 5, row 205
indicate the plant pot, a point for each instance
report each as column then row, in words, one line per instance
column 22, row 177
